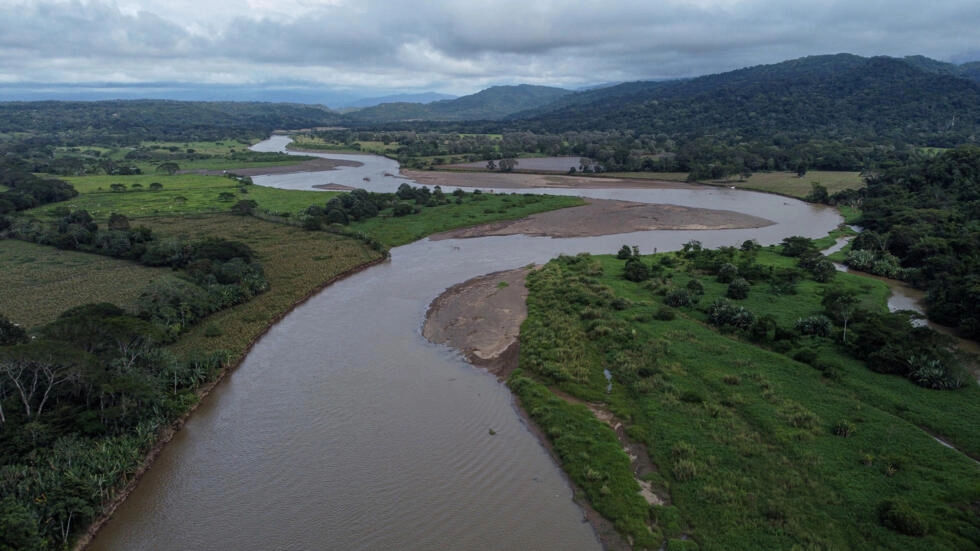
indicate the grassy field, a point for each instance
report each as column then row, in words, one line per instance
column 220, row 155
column 181, row 194
column 788, row 183
column 40, row 282
column 668, row 176
column 475, row 209
column 753, row 449
column 296, row 262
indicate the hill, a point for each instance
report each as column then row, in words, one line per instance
column 493, row 103
column 421, row 98
column 842, row 96
column 132, row 121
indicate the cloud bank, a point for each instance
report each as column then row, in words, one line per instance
column 452, row 46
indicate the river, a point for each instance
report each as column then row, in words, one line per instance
column 345, row 429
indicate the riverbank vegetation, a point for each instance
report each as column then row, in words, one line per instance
column 774, row 416
column 923, row 226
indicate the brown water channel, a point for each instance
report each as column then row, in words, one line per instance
column 345, row 429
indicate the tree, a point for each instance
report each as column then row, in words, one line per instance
column 818, row 193
column 840, row 304
column 11, row 333
column 738, row 289
column 507, row 165
column 33, row 370
column 636, row 270
column 18, row 528
column 244, row 207
column 118, row 222
column 169, row 167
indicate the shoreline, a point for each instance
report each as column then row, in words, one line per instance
column 167, row 433
column 481, row 315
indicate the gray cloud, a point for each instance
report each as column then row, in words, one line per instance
column 454, row 46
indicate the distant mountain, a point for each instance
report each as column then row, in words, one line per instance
column 424, row 97
column 493, row 103
column 130, row 121
column 831, row 97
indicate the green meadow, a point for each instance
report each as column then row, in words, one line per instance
column 753, row 449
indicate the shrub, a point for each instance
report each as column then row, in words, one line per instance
column 636, row 270
column 818, row 325
column 685, row 469
column 738, row 289
column 899, row 516
column 680, row 297
column 844, row 428
column 665, row 314
column 727, row 273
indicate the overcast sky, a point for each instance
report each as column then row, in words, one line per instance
column 452, row 46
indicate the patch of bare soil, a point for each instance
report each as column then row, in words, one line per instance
column 482, row 318
column 606, row 217
column 517, row 180
column 312, row 165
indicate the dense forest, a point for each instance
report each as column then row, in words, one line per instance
column 922, row 224
column 107, row 123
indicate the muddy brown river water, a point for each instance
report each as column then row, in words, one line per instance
column 345, row 429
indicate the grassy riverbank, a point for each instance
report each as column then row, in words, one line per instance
column 754, row 450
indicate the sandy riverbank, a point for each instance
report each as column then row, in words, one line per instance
column 482, row 318
column 607, row 217
column 518, row 180
column 311, row 165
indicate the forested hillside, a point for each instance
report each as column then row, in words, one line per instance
column 493, row 103
column 832, row 97
column 130, row 122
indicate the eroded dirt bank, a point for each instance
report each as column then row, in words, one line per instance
column 607, row 217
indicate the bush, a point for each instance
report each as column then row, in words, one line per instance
column 844, row 428
column 727, row 273
column 685, row 469
column 680, row 297
column 738, row 289
column 818, row 325
column 636, row 270
column 899, row 516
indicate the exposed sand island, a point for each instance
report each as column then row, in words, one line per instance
column 606, row 217
column 312, row 165
column 518, row 180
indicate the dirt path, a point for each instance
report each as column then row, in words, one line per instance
column 606, row 217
